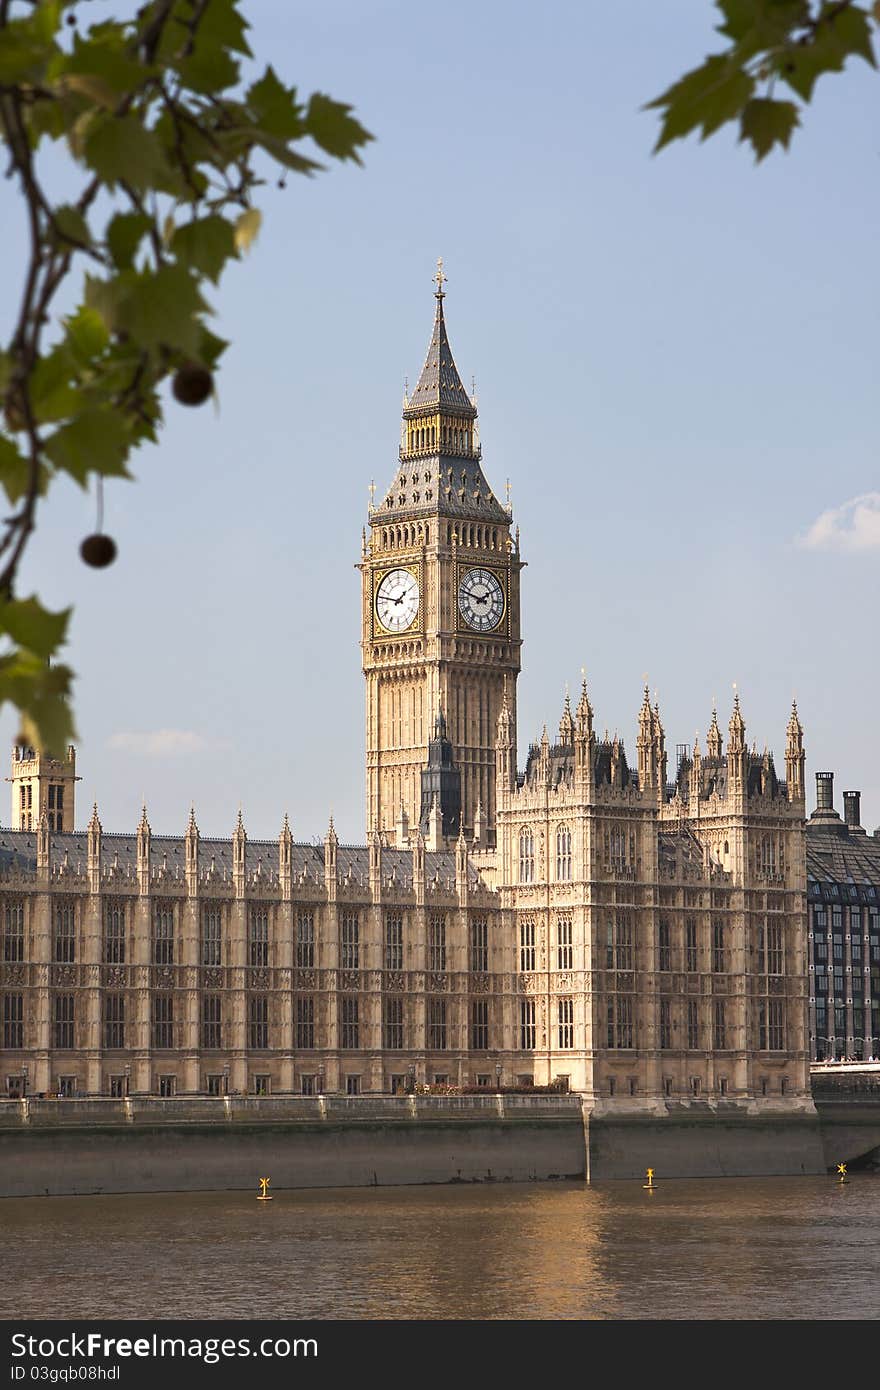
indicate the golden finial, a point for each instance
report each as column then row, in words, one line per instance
column 372, row 493
column 507, row 486
column 440, row 277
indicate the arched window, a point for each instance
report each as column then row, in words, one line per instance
column 526, row 856
column 563, row 853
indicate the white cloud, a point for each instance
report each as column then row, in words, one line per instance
column 161, row 743
column 854, row 526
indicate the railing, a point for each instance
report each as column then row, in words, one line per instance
column 220, row 1110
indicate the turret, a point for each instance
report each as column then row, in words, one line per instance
column 647, row 747
column 285, row 856
column 737, row 753
column 143, row 853
column 239, row 856
column 583, row 740
column 93, row 851
column 566, row 724
column 794, row 757
column 714, row 746
column 505, row 750
column 41, row 782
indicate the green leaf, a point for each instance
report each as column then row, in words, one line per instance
column 332, row 128
column 162, row 308
column 223, row 26
column 40, row 693
column 32, row 626
column 124, row 236
column 205, row 245
column 72, row 225
column 97, row 441
column 246, row 228
column 120, row 149
column 22, row 56
column 850, row 30
column 52, row 395
column 706, row 98
column 15, row 472
column 87, row 334
column 274, row 108
column 107, row 59
column 208, row 70
column 767, row 123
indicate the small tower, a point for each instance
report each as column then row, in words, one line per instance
column 737, row 751
column 646, row 746
column 505, row 748
column 191, row 852
column 695, row 785
column 713, row 738
column 143, row 853
column 794, row 757
column 566, row 724
column 441, row 779
column 43, row 783
column 94, row 851
column 239, row 856
column 285, row 856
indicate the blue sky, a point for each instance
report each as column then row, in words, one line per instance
column 676, row 364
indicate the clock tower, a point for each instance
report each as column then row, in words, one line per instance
column 440, row 617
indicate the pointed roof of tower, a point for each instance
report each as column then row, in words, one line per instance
column 440, row 386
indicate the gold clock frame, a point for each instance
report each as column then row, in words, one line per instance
column 377, row 628
column 502, row 574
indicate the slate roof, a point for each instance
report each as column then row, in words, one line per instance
column 18, row 850
column 440, row 387
column 842, row 859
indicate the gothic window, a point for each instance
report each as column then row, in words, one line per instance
column 392, row 1023
column 163, row 934
column 55, row 813
column 212, row 935
column 65, row 933
column 437, row 1024
column 13, row 931
column 526, row 856
column 258, row 1022
column 527, row 1025
column 114, row 1020
column 718, row 956
column 480, row 1025
column 258, row 937
column 665, row 960
column 563, row 853
column 350, row 1022
column 479, row 945
column 350, row 946
column 64, row 1019
column 394, row 941
column 690, row 944
column 565, row 1015
column 665, row 1023
column 13, row 1021
column 114, row 931
column 437, row 943
column 619, row 942
column 620, row 1021
column 527, row 946
column 693, row 1018
column 212, row 1022
column 771, row 1032
column 564, row 949
column 163, row 1020
column 719, row 1038
column 305, row 1022
column 305, row 940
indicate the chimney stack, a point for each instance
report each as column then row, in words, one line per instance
column 851, row 810
column 824, row 791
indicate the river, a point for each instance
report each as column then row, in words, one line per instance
column 778, row 1248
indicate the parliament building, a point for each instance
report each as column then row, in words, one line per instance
column 586, row 918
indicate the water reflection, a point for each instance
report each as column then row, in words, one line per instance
column 775, row 1248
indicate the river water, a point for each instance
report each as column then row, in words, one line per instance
column 758, row 1248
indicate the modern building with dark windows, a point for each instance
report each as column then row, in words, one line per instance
column 843, row 903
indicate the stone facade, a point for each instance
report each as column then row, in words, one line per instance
column 639, row 939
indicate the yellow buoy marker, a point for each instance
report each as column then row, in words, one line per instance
column 264, row 1195
column 841, row 1168
column 649, row 1185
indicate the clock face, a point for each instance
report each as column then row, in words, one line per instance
column 481, row 600
column 397, row 600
